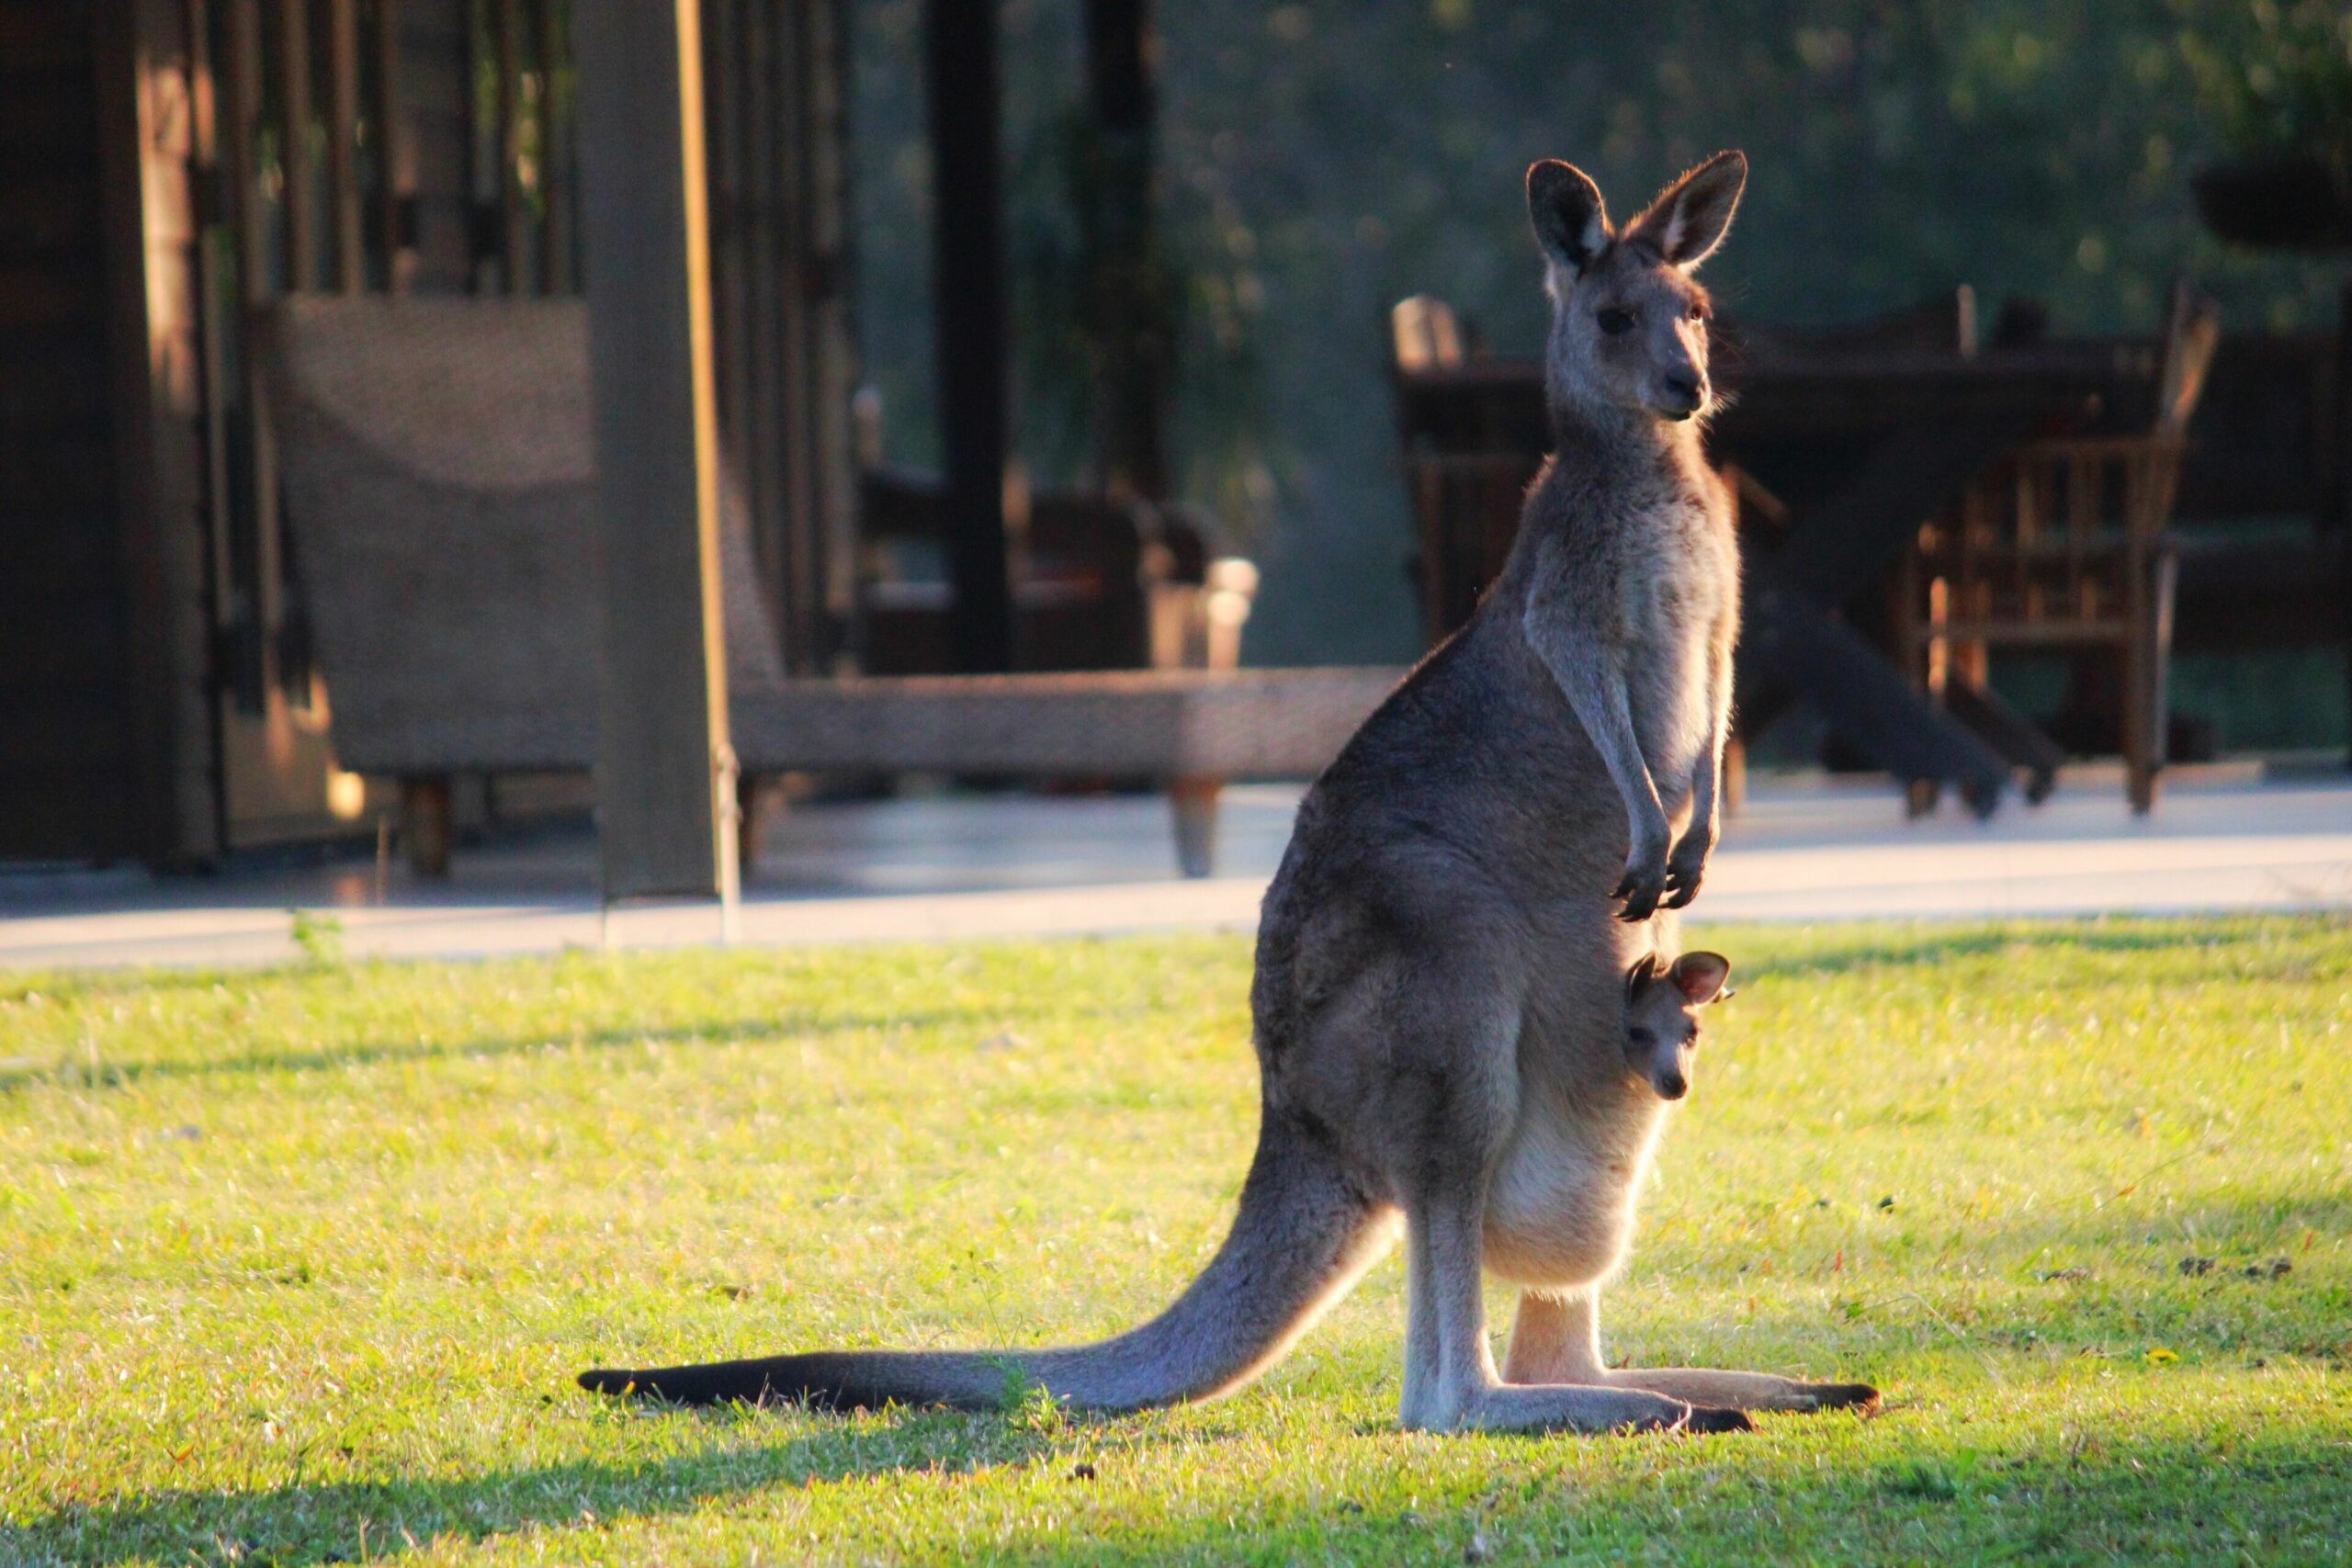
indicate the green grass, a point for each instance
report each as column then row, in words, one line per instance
column 297, row 1267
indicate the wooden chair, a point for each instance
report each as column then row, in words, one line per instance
column 2063, row 544
column 1469, row 451
column 439, row 476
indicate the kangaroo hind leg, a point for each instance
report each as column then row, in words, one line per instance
column 1442, row 1239
column 1451, row 1106
column 1559, row 1336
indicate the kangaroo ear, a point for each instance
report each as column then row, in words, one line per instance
column 1644, row 971
column 1687, row 222
column 1571, row 224
column 1701, row 977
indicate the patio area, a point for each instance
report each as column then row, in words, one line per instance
column 954, row 865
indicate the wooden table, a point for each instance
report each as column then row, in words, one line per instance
column 1862, row 447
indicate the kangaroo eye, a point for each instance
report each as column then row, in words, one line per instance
column 1698, row 313
column 1642, row 1038
column 1615, row 321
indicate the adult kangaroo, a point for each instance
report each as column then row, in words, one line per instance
column 1442, row 968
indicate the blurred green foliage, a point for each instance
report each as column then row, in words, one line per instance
column 2278, row 78
column 1323, row 158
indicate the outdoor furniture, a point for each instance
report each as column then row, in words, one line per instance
column 2062, row 544
column 1845, row 443
column 438, row 479
column 1098, row 583
column 1853, row 448
column 2264, row 541
column 1471, row 446
column 1189, row 729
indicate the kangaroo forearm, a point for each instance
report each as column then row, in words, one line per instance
column 1706, row 790
column 1590, row 677
column 1707, row 774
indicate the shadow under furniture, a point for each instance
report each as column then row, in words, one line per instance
column 439, row 478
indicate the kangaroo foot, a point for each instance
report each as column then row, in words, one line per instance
column 1578, row 1407
column 1748, row 1390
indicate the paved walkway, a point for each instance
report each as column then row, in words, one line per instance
column 962, row 865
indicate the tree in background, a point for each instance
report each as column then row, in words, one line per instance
column 2275, row 79
column 1323, row 158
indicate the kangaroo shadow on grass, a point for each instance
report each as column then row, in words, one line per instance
column 352, row 1521
column 1896, row 1491
column 769, row 1029
column 2071, row 1497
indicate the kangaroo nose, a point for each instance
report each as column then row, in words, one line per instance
column 1684, row 390
column 1673, row 1086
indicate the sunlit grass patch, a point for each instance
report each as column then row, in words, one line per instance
column 299, row 1265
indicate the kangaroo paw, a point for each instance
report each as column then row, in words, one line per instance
column 1640, row 890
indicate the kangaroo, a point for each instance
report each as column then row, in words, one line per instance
column 1662, row 1005
column 1438, row 1002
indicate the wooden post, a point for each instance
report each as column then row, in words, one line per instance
column 342, row 146
column 294, row 144
column 665, row 784
column 2338, row 516
column 149, row 108
column 516, row 275
column 395, row 155
column 555, row 180
column 969, row 283
column 1128, row 285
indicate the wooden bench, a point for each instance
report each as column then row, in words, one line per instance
column 438, row 482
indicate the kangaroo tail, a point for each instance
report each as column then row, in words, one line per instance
column 1305, row 1234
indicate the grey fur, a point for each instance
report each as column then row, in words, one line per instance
column 1440, row 997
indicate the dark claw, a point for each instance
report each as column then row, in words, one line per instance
column 1680, row 894
column 1638, row 908
column 1705, row 1418
column 1860, row 1397
column 1625, row 889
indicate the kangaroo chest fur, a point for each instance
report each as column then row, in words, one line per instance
column 1654, row 550
column 1561, row 1205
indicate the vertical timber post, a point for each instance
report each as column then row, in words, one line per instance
column 960, row 80
column 2338, row 503
column 1130, row 286
column 148, row 88
column 665, row 775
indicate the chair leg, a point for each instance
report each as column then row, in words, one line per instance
column 1193, row 803
column 1930, row 651
column 424, row 824
column 750, row 821
column 2147, row 667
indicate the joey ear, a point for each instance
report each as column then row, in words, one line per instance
column 1645, row 970
column 1687, row 222
column 1702, row 976
column 1571, row 224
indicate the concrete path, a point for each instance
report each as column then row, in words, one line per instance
column 1020, row 865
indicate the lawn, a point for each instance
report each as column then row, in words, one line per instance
column 299, row 1265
